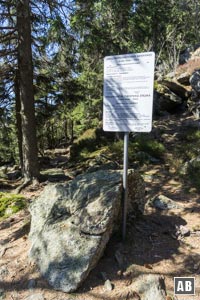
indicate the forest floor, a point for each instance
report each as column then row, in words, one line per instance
column 152, row 246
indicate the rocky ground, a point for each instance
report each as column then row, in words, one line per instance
column 164, row 241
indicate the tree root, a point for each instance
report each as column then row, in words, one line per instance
column 26, row 183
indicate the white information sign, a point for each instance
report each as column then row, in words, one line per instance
column 128, row 92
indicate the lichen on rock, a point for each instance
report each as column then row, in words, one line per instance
column 72, row 223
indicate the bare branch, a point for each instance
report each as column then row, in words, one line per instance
column 38, row 8
column 7, row 28
column 7, row 38
column 7, row 15
column 6, row 52
column 6, row 3
column 7, row 34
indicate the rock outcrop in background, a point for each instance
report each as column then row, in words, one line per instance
column 180, row 90
column 72, row 223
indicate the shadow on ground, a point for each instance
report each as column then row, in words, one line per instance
column 149, row 241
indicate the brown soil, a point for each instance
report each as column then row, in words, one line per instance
column 151, row 247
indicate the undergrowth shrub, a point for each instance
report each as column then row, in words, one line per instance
column 192, row 134
column 84, row 144
column 140, row 149
column 90, row 141
column 193, row 173
column 150, row 146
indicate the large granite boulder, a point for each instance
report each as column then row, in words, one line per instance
column 72, row 223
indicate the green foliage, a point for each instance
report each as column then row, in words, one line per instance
column 85, row 144
column 140, row 149
column 149, row 145
column 88, row 135
column 193, row 135
column 184, row 159
column 90, row 142
column 8, row 143
column 116, row 150
column 188, row 150
column 193, row 174
column 70, row 41
column 159, row 87
column 10, row 203
column 189, row 146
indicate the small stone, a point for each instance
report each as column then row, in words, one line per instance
column 2, row 294
column 120, row 273
column 127, row 273
column 163, row 203
column 184, row 231
column 108, row 286
column 3, row 251
column 152, row 287
column 35, row 297
column 3, row 272
column 197, row 266
column 31, row 284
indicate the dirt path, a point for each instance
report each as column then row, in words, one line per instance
column 151, row 247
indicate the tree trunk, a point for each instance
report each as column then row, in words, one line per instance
column 72, row 131
column 66, row 130
column 18, row 118
column 29, row 145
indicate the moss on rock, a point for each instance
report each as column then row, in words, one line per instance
column 10, row 203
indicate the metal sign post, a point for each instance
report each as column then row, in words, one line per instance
column 125, row 184
column 128, row 102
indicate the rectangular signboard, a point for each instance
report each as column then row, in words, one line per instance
column 128, row 92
